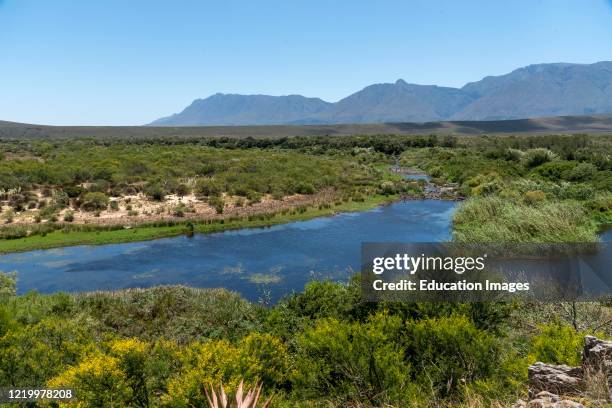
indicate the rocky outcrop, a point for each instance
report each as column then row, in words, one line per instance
column 545, row 399
column 547, row 381
column 558, row 379
column 597, row 358
column 597, row 354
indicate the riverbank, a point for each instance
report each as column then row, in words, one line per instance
column 145, row 232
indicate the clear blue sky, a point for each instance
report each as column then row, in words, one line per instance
column 121, row 62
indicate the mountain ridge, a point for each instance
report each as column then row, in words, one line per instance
column 537, row 90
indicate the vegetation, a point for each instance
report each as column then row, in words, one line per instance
column 84, row 187
column 526, row 189
column 325, row 346
column 164, row 346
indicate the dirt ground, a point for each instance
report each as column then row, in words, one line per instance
column 136, row 209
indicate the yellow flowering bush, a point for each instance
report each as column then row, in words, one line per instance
column 98, row 381
column 258, row 357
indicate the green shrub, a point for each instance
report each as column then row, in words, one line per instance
column 8, row 216
column 182, row 190
column 254, row 196
column 8, row 284
column 482, row 185
column 94, row 201
column 582, row 172
column 555, row 170
column 600, row 204
column 537, row 157
column 60, row 199
column 318, row 300
column 217, row 203
column 388, row 188
column 557, row 344
column 73, row 191
column 534, row 197
column 208, row 188
column 448, row 352
column 304, row 188
column 155, row 192
column 514, row 155
column 346, row 360
column 435, row 171
column 577, row 191
column 69, row 216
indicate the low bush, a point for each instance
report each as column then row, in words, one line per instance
column 537, row 157
column 94, row 201
column 557, row 344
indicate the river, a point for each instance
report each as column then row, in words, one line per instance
column 258, row 263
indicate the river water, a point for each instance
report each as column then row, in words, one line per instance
column 258, row 262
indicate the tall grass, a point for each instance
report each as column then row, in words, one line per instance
column 494, row 219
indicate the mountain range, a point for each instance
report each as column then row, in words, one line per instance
column 540, row 90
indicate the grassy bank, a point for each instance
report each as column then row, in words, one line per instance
column 549, row 189
column 62, row 238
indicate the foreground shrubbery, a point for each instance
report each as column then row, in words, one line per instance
column 163, row 345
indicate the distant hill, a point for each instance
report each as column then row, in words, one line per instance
column 534, row 91
column 398, row 102
column 541, row 90
column 234, row 109
column 554, row 125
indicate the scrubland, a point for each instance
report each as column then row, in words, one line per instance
column 325, row 346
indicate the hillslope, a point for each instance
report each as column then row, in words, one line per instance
column 534, row 91
column 554, row 125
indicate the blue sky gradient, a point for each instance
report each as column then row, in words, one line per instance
column 118, row 62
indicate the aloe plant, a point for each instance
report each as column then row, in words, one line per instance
column 219, row 399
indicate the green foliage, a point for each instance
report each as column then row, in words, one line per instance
column 155, row 192
column 258, row 357
column 514, row 155
column 325, row 345
column 557, row 344
column 217, row 203
column 582, row 172
column 94, row 201
column 353, row 361
column 8, row 284
column 556, row 170
column 537, row 157
column 160, row 346
column 318, row 300
column 99, row 381
column 178, row 313
column 448, row 352
column 534, row 196
column 388, row 188
column 494, row 219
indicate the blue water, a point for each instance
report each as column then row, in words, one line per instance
column 277, row 260
column 417, row 177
